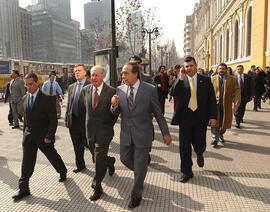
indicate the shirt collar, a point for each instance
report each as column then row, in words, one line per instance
column 82, row 82
column 35, row 94
column 194, row 77
column 99, row 87
column 136, row 85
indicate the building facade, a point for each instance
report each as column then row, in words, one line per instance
column 232, row 31
column 188, row 36
column 26, row 33
column 56, row 37
column 10, row 33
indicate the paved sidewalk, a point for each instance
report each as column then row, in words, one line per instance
column 236, row 176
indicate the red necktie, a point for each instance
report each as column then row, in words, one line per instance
column 95, row 99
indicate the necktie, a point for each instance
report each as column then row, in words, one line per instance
column 241, row 83
column 193, row 95
column 31, row 102
column 130, row 98
column 75, row 101
column 95, row 99
column 51, row 89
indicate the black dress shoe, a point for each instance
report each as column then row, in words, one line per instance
column 78, row 170
column 10, row 124
column 185, row 177
column 200, row 160
column 111, row 166
column 97, row 194
column 15, row 127
column 21, row 195
column 237, row 126
column 63, row 177
column 134, row 202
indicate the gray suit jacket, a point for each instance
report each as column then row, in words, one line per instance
column 99, row 122
column 136, row 125
column 71, row 94
column 17, row 91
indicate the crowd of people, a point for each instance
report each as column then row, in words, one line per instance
column 201, row 99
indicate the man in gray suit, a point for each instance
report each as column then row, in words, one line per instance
column 17, row 91
column 95, row 99
column 75, row 119
column 136, row 101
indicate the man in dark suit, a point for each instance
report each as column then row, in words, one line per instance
column 143, row 77
column 136, row 100
column 247, row 93
column 162, row 82
column 95, row 99
column 40, row 123
column 196, row 108
column 75, row 119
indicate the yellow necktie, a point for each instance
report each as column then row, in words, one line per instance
column 193, row 95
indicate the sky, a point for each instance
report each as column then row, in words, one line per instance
column 171, row 13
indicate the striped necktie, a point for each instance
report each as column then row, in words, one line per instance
column 130, row 98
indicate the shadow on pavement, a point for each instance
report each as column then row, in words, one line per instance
column 6, row 175
column 153, row 196
column 77, row 201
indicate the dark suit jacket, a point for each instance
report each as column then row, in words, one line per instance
column 7, row 92
column 41, row 121
column 206, row 100
column 248, row 89
column 157, row 80
column 99, row 122
column 71, row 94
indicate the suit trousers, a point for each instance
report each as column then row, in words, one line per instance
column 16, row 112
column 78, row 139
column 191, row 134
column 102, row 161
column 217, row 133
column 136, row 159
column 29, row 161
column 239, row 112
column 10, row 117
column 162, row 103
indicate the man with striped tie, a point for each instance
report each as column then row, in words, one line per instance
column 136, row 100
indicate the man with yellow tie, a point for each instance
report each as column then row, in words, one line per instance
column 196, row 108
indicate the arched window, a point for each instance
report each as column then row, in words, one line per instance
column 248, row 31
column 236, row 39
column 220, row 49
column 227, row 45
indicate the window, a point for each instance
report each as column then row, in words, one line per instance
column 220, row 49
column 236, row 39
column 227, row 45
column 248, row 31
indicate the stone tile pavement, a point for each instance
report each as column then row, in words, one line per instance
column 236, row 176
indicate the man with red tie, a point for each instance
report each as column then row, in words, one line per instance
column 95, row 99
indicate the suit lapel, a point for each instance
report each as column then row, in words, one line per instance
column 200, row 82
column 102, row 96
column 139, row 94
column 186, row 83
column 36, row 100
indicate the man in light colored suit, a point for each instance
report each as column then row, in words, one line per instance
column 95, row 99
column 17, row 91
column 136, row 101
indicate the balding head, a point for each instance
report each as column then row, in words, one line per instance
column 97, row 75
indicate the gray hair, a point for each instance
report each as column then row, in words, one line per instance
column 98, row 67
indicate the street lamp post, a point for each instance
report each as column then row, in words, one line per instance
column 149, row 32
